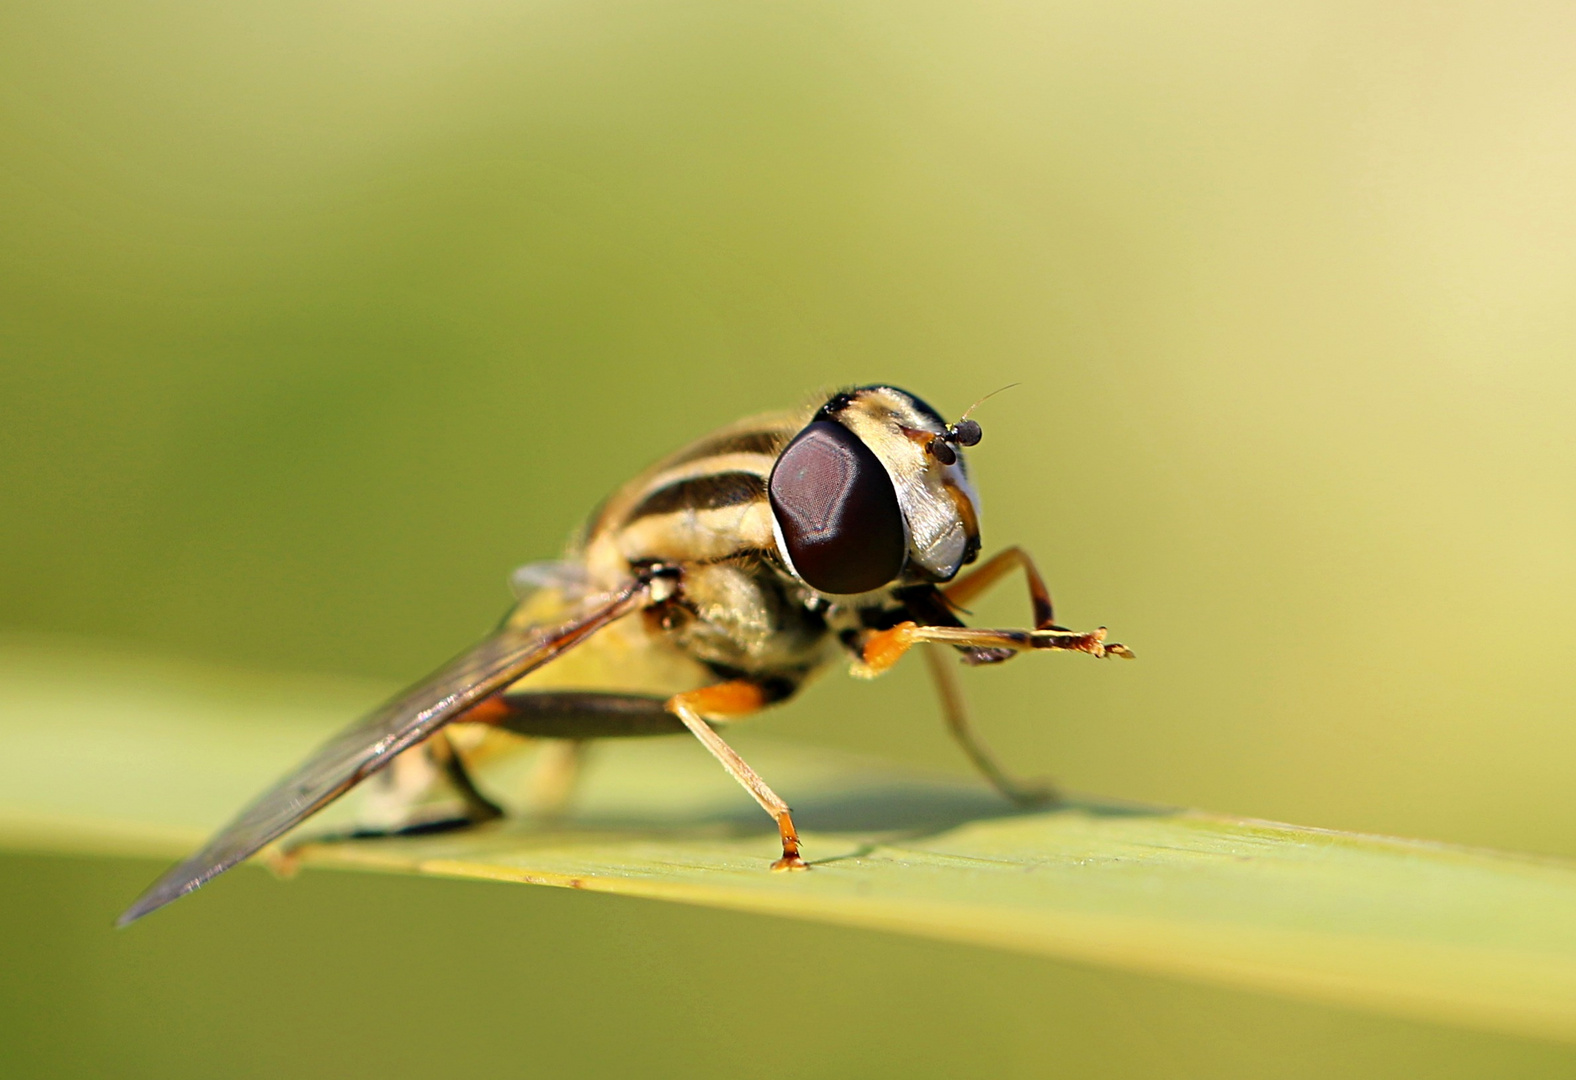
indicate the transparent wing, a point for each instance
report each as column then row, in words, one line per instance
column 371, row 743
column 569, row 579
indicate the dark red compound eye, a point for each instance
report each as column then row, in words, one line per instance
column 838, row 511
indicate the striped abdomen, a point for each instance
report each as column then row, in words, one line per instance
column 704, row 504
column 706, row 509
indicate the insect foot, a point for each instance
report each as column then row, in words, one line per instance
column 1031, row 793
column 1093, row 643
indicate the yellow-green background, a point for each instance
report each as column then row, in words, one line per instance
column 317, row 318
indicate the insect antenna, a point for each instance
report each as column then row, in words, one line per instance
column 965, row 432
column 986, row 398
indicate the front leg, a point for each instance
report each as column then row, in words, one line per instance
column 992, row 570
column 960, row 592
column 880, row 650
column 886, row 647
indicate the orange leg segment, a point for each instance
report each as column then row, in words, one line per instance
column 724, row 701
column 886, row 647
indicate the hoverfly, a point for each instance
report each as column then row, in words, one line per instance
column 713, row 585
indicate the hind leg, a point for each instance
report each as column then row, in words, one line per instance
column 425, row 789
column 428, row 788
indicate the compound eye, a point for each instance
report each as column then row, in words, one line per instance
column 838, row 512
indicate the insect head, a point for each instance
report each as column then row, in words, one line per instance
column 873, row 492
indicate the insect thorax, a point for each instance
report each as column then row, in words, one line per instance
column 745, row 617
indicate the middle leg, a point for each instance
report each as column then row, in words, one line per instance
column 738, row 698
column 956, row 711
column 883, row 649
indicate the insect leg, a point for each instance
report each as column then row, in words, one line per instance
column 478, row 807
column 576, row 714
column 995, row 568
column 956, row 711
column 886, row 647
column 567, row 719
column 731, row 699
column 425, row 789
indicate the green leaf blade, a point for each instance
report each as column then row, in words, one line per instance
column 1476, row 938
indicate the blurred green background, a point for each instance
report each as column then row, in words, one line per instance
column 316, row 319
